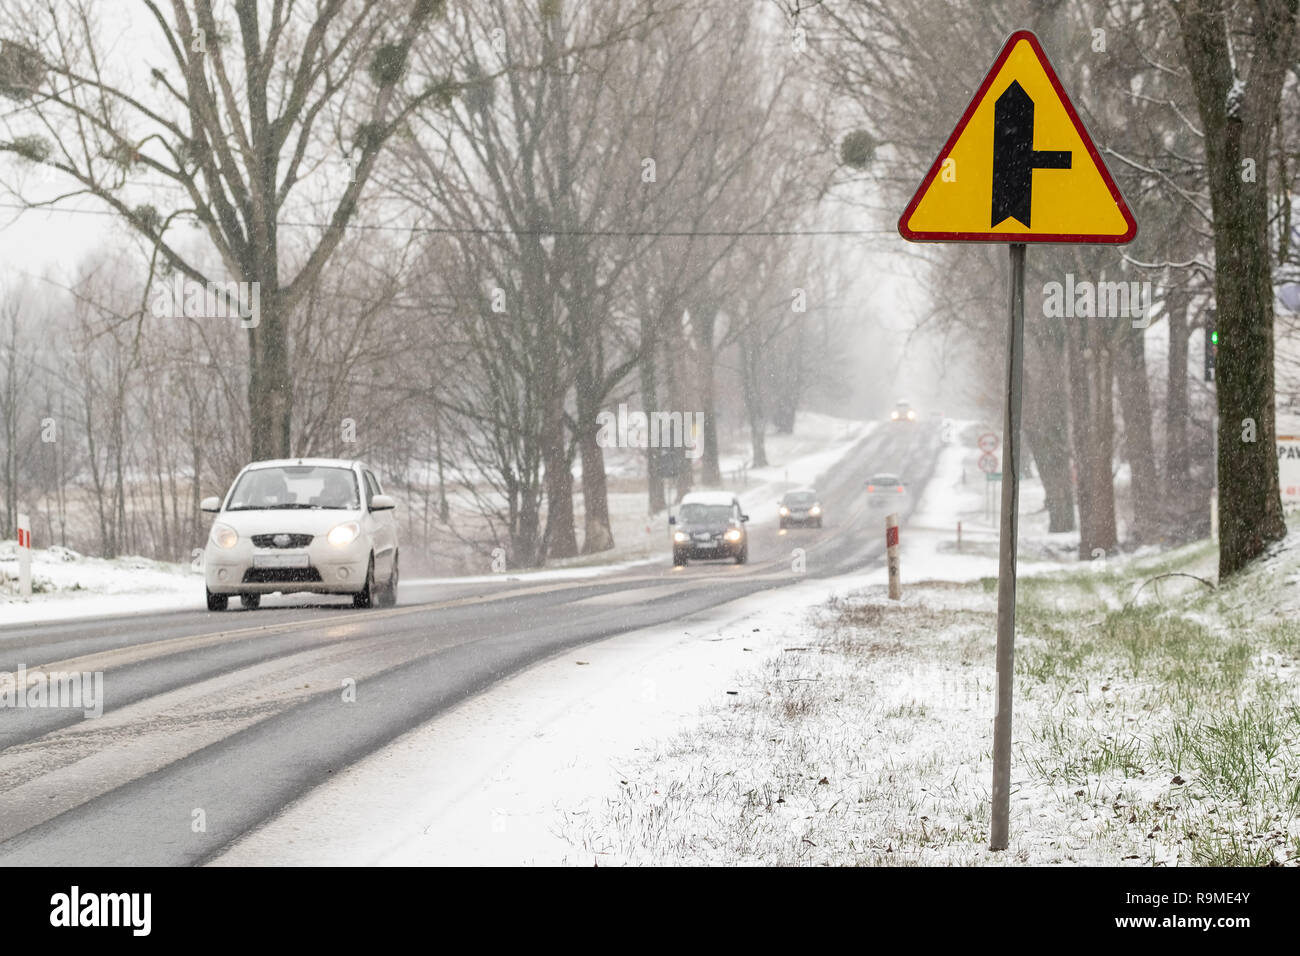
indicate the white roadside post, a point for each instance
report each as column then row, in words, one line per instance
column 1029, row 172
column 891, row 549
column 24, row 556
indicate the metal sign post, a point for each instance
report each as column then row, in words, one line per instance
column 1007, row 539
column 1029, row 173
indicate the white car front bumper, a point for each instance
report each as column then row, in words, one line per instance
column 329, row 569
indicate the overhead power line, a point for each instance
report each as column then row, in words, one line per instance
column 488, row 231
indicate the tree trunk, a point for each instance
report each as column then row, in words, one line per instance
column 789, row 391
column 444, row 507
column 561, row 534
column 1079, row 418
column 1176, row 450
column 751, row 368
column 704, row 319
column 680, row 354
column 1047, row 429
column 1101, row 441
column 650, row 402
column 1135, row 398
column 597, row 534
column 1250, row 504
column 527, row 540
column 270, row 391
column 1092, row 429
column 1238, row 113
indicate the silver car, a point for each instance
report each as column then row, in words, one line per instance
column 307, row 524
column 885, row 489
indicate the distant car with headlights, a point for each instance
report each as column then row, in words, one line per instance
column 709, row 525
column 903, row 412
column 800, row 507
column 884, row 489
column 319, row 525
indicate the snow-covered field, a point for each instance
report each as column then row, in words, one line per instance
column 1157, row 719
column 67, row 584
column 1155, row 725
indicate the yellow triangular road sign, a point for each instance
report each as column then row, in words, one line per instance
column 1019, row 167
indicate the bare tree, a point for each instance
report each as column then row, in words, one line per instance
column 252, row 105
column 17, row 371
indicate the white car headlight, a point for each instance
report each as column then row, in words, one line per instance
column 224, row 536
column 815, row 510
column 343, row 534
column 784, row 511
column 680, row 536
column 733, row 534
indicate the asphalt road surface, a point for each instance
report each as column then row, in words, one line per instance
column 213, row 722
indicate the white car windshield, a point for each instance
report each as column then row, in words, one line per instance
column 296, row 486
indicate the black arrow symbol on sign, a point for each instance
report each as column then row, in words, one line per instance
column 1014, row 156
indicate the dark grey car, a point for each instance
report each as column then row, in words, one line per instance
column 709, row 530
column 800, row 507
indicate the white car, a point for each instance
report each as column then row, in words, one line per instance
column 303, row 524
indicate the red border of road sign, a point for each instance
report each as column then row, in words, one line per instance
column 1016, row 237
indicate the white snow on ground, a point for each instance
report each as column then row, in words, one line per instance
column 66, row 584
column 1164, row 733
column 492, row 781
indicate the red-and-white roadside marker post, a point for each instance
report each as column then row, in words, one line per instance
column 1019, row 168
column 24, row 556
column 891, row 549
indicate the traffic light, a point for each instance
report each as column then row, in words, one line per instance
column 1211, row 345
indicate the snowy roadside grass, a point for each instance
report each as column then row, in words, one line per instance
column 1161, row 729
column 68, row 584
